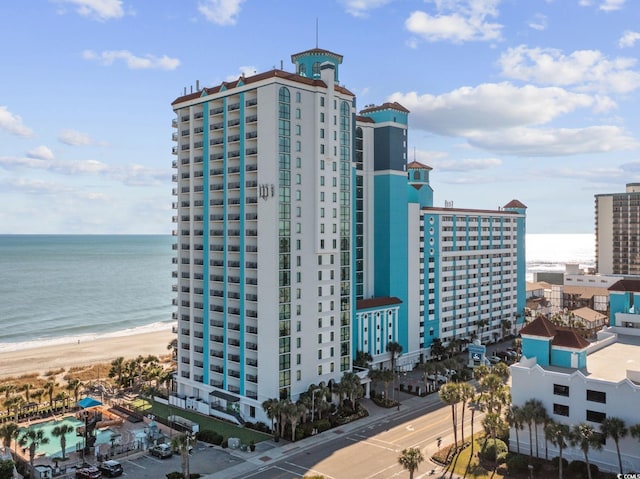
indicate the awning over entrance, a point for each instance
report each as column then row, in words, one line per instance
column 223, row 395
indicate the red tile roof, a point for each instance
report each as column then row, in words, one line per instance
column 568, row 338
column 385, row 106
column 563, row 337
column 632, row 285
column 377, row 302
column 256, row 78
column 415, row 165
column 364, row 119
column 540, row 326
column 514, row 204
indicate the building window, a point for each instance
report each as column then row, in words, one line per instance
column 298, row 146
column 321, row 132
column 298, row 115
column 322, row 117
column 298, row 375
column 298, row 93
column 560, row 410
column 319, row 353
column 596, row 416
column 561, row 390
column 596, row 396
column 320, row 370
column 298, row 130
column 321, row 101
column 298, row 358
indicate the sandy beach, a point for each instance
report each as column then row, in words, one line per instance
column 16, row 363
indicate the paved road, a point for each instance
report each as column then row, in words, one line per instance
column 369, row 451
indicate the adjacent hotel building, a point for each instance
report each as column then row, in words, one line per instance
column 304, row 235
column 618, row 232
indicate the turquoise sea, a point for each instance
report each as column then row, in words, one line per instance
column 64, row 288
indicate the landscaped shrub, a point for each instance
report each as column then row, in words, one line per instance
column 322, row 425
column 178, row 475
column 259, row 426
column 517, row 463
column 578, row 470
column 493, row 449
column 225, row 444
column 555, row 461
column 209, row 436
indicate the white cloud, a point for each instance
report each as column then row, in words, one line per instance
column 628, row 39
column 490, row 106
column 13, row 123
column 133, row 62
column 41, row 153
column 132, row 175
column 246, row 71
column 524, row 141
column 360, row 8
column 604, row 5
column 221, row 12
column 77, row 138
column 98, row 9
column 585, row 69
column 610, row 5
column 538, row 22
column 467, row 164
column 457, row 21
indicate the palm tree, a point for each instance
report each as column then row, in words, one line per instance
column 450, row 394
column 635, row 431
column 558, row 434
column 117, row 369
column 74, row 385
column 534, row 413
column 515, row 419
column 480, row 372
column 294, row 413
column 270, row 407
column 502, row 371
column 49, row 387
column 9, row 431
column 61, row 432
column 182, row 444
column 14, row 403
column 585, row 437
column 27, row 387
column 410, row 459
column 173, row 347
column 33, row 439
column 467, row 394
column 396, row 350
column 528, row 414
column 352, row 387
column 616, row 429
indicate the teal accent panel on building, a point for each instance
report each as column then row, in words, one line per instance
column 242, row 247
column 390, row 249
column 560, row 358
column 522, row 264
column 308, row 63
column 538, row 348
column 388, row 115
column 431, row 252
column 205, row 242
column 621, row 302
column 225, row 241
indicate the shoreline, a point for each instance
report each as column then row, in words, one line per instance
column 84, row 353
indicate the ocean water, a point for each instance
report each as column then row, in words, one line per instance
column 63, row 288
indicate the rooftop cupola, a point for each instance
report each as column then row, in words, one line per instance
column 310, row 62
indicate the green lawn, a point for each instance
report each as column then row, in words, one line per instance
column 206, row 422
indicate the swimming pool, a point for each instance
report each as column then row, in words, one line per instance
column 53, row 449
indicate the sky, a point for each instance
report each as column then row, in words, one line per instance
column 535, row 100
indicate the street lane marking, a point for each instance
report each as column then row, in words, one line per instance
column 310, row 470
column 393, row 449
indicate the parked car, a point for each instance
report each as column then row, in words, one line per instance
column 111, row 468
column 89, row 472
column 494, row 359
column 161, row 450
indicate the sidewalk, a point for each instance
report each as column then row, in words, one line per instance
column 268, row 452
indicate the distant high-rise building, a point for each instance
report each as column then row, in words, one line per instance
column 618, row 232
column 305, row 236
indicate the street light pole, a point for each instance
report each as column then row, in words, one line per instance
column 398, row 374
